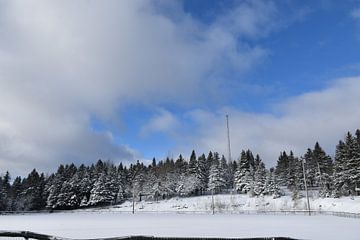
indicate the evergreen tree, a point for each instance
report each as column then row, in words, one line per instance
column 120, row 196
column 339, row 176
column 259, row 178
column 282, row 169
column 67, row 199
column 103, row 183
column 5, row 194
column 187, row 185
column 17, row 203
column 171, row 182
column 54, row 186
column 82, row 184
column 357, row 134
column 272, row 187
column 181, row 165
column 216, row 177
column 294, row 172
column 311, row 168
column 33, row 191
column 319, row 166
column 104, row 192
column 137, row 179
column 244, row 175
column 209, row 160
column 192, row 168
column 227, row 172
column 202, row 173
column 352, row 164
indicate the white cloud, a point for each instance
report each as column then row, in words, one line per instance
column 356, row 13
column 62, row 62
column 251, row 19
column 323, row 116
column 163, row 122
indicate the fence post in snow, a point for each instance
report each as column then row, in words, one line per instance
column 212, row 202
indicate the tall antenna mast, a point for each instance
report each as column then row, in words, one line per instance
column 228, row 137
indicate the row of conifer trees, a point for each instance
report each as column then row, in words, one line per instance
column 105, row 183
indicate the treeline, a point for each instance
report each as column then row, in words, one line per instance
column 104, row 183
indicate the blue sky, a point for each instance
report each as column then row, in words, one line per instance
column 128, row 80
column 304, row 54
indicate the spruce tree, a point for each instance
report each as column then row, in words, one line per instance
column 352, row 164
column 339, row 176
column 103, row 192
column 33, row 191
column 244, row 175
column 259, row 178
column 282, row 169
column 192, row 167
column 5, row 194
column 202, row 173
column 53, row 187
column 17, row 203
column 294, row 172
column 272, row 187
column 357, row 134
column 216, row 177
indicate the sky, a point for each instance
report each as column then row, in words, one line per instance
column 135, row 79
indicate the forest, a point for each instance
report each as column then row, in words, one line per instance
column 105, row 183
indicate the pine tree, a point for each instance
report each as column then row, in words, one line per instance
column 231, row 173
column 120, row 196
column 259, row 177
column 192, row 167
column 67, row 199
column 181, row 165
column 244, row 175
column 357, row 133
column 272, row 187
column 103, row 191
column 5, row 203
column 171, row 182
column 339, row 176
column 5, row 194
column 282, row 169
column 17, row 203
column 311, row 168
column 325, row 188
column 325, row 170
column 33, row 191
column 294, row 172
column 187, row 185
column 82, row 184
column 352, row 164
column 136, row 178
column 209, row 160
column 216, row 177
column 319, row 166
column 346, row 175
column 227, row 172
column 324, row 162
column 53, row 187
column 202, row 173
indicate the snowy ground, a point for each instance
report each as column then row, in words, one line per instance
column 191, row 217
column 240, row 202
column 109, row 224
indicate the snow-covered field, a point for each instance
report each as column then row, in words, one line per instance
column 241, row 202
column 191, row 217
column 108, row 224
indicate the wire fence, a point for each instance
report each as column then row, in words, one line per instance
column 16, row 235
column 238, row 212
